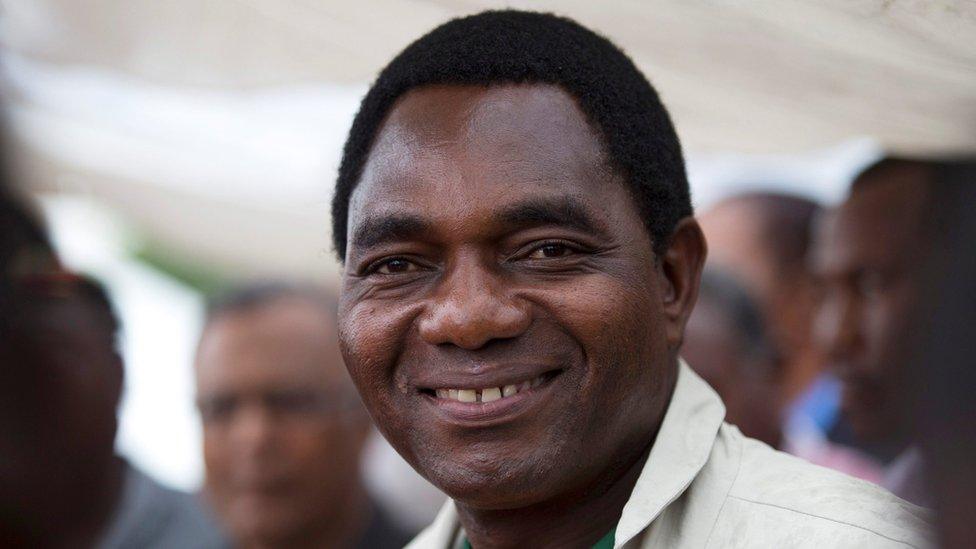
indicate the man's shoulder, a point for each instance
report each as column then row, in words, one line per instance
column 749, row 495
column 773, row 490
column 150, row 514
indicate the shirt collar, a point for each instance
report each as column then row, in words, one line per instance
column 680, row 450
column 682, row 447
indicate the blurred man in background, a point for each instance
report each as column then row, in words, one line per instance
column 54, row 492
column 283, row 427
column 938, row 362
column 726, row 342
column 60, row 438
column 61, row 484
column 865, row 258
column 762, row 240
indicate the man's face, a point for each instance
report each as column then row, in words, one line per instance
column 282, row 435
column 862, row 259
column 501, row 308
column 738, row 236
column 61, row 381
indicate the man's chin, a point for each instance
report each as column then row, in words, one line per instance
column 496, row 482
column 495, row 495
column 265, row 519
column 267, row 530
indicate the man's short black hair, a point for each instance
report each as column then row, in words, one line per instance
column 516, row 47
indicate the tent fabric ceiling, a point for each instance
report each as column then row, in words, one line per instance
column 215, row 125
column 758, row 76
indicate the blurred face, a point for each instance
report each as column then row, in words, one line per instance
column 862, row 260
column 61, row 380
column 737, row 236
column 738, row 232
column 282, row 430
column 748, row 385
column 502, row 311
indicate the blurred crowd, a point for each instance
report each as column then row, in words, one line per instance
column 842, row 335
column 284, row 430
column 836, row 334
column 817, row 326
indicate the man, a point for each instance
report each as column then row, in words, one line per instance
column 865, row 257
column 762, row 238
column 519, row 263
column 727, row 344
column 938, row 361
column 62, row 484
column 283, row 428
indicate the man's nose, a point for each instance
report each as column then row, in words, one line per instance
column 252, row 430
column 471, row 307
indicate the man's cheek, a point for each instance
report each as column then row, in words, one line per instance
column 609, row 312
column 365, row 341
column 371, row 337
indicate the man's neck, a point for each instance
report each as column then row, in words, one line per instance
column 571, row 522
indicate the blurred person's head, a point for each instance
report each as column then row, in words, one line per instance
column 864, row 259
column 61, row 385
column 283, row 427
column 938, row 359
column 513, row 218
column 763, row 239
column 727, row 343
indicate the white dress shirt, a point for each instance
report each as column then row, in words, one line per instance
column 705, row 485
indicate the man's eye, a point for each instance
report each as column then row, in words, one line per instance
column 548, row 251
column 396, row 265
column 217, row 410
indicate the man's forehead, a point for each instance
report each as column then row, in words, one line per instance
column 471, row 112
column 277, row 342
column 883, row 214
column 514, row 132
column 485, row 146
column 875, row 227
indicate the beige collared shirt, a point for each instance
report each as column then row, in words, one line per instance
column 705, row 485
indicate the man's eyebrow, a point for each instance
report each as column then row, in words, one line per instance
column 388, row 228
column 567, row 212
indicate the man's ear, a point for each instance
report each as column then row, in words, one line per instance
column 681, row 266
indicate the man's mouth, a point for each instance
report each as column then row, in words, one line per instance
column 491, row 394
column 490, row 404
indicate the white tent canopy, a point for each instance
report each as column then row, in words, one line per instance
column 216, row 125
column 758, row 76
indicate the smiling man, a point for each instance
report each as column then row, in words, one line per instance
column 520, row 259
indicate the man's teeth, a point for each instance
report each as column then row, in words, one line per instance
column 488, row 394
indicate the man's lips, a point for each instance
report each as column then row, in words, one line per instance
column 483, row 403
